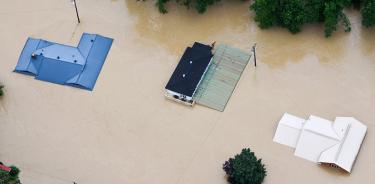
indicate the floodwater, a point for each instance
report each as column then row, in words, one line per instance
column 125, row 131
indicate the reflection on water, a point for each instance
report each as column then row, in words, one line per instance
column 367, row 38
column 232, row 22
column 180, row 26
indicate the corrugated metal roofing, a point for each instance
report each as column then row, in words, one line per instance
column 221, row 77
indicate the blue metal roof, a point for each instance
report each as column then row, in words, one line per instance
column 75, row 66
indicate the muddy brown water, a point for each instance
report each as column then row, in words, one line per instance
column 126, row 132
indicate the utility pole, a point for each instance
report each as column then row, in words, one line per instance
column 255, row 57
column 75, row 5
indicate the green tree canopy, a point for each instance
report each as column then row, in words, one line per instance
column 245, row 168
column 266, row 13
column 368, row 13
column 293, row 14
column 1, row 90
column 199, row 5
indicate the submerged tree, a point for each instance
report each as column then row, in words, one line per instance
column 368, row 13
column 293, row 14
column 199, row 5
column 245, row 168
column 331, row 12
column 266, row 13
column 356, row 4
column 161, row 5
column 1, row 90
column 314, row 10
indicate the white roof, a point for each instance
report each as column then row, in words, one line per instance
column 353, row 135
column 288, row 130
column 322, row 141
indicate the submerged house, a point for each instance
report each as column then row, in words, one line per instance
column 189, row 73
column 5, row 168
column 207, row 75
column 334, row 144
column 62, row 64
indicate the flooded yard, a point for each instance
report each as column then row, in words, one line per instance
column 125, row 131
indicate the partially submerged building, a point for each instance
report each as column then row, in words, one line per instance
column 335, row 144
column 4, row 168
column 207, row 75
column 189, row 73
column 62, row 64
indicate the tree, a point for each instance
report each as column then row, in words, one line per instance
column 292, row 15
column 345, row 22
column 1, row 90
column 333, row 14
column 368, row 13
column 314, row 10
column 330, row 18
column 161, row 5
column 356, row 4
column 266, row 12
column 199, row 5
column 245, row 168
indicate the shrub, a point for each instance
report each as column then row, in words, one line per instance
column 245, row 168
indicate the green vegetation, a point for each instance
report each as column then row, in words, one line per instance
column 10, row 177
column 293, row 14
column 199, row 5
column 368, row 13
column 245, row 168
column 1, row 90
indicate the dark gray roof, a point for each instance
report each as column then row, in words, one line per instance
column 190, row 69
